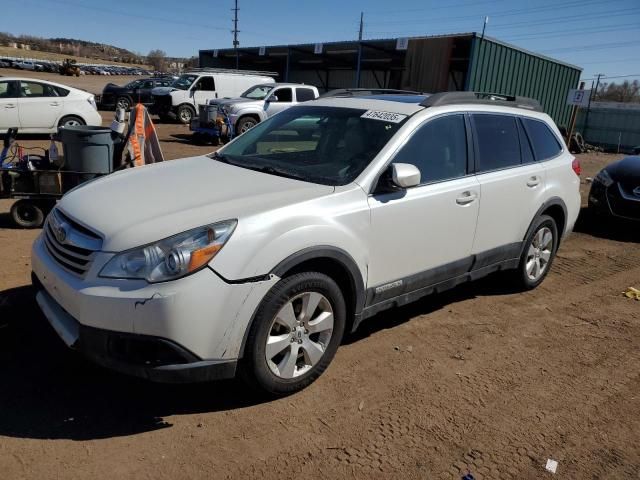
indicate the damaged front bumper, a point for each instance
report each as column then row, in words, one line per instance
column 153, row 358
column 191, row 329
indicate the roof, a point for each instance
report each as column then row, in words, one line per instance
column 364, row 103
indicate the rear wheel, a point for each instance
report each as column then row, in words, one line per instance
column 538, row 253
column 27, row 214
column 295, row 334
column 71, row 121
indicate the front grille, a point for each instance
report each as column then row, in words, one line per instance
column 162, row 101
column 70, row 244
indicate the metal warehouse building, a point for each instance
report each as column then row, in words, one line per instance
column 428, row 64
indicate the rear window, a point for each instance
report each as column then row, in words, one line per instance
column 544, row 142
column 304, row 94
column 497, row 140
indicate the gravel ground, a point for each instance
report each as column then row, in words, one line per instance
column 481, row 378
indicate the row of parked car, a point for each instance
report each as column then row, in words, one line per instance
column 54, row 67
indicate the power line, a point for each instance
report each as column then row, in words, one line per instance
column 595, row 46
column 507, row 13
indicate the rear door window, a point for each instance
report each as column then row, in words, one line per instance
column 545, row 143
column 438, row 148
column 497, row 141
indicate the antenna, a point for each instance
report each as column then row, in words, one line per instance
column 361, row 26
column 235, row 32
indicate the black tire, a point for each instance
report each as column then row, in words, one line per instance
column 71, row 120
column 123, row 102
column 246, row 123
column 254, row 369
column 185, row 113
column 27, row 214
column 523, row 278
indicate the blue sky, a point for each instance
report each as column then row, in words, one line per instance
column 600, row 36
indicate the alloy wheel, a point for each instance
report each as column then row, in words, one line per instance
column 299, row 335
column 539, row 253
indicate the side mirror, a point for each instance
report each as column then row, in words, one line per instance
column 272, row 98
column 405, row 175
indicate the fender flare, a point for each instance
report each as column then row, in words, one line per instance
column 553, row 201
column 310, row 253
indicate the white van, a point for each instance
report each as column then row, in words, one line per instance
column 182, row 98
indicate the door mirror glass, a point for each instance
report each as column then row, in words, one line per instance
column 404, row 175
column 272, row 98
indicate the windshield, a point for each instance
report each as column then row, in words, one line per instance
column 259, row 92
column 183, row 82
column 133, row 84
column 326, row 145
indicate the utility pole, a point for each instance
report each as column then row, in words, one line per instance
column 361, row 26
column 235, row 32
column 484, row 26
column 594, row 92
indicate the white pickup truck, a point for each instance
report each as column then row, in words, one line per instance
column 259, row 103
column 183, row 97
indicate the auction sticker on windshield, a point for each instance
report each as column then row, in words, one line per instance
column 384, row 116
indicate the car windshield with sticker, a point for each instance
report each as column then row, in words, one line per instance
column 326, row 145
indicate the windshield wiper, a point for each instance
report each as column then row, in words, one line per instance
column 275, row 171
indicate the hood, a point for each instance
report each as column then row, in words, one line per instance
column 142, row 205
column 235, row 101
column 626, row 170
column 110, row 87
column 162, row 90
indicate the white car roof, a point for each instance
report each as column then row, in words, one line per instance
column 22, row 79
column 368, row 104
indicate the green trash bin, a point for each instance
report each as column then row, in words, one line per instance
column 87, row 149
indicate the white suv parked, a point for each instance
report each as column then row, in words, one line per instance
column 189, row 91
column 257, row 259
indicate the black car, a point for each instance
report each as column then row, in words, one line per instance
column 114, row 96
column 616, row 189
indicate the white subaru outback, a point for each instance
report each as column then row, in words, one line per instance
column 258, row 258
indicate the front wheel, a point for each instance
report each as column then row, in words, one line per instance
column 71, row 121
column 295, row 334
column 538, row 253
column 245, row 124
column 124, row 103
column 185, row 114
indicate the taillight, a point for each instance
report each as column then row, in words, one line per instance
column 576, row 166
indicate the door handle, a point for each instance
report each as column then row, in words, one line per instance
column 533, row 182
column 10, row 105
column 466, row 198
column 54, row 104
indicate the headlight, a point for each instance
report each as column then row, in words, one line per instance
column 604, row 178
column 173, row 257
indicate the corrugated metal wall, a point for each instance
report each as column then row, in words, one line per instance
column 499, row 68
column 608, row 126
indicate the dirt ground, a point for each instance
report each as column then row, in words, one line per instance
column 481, row 378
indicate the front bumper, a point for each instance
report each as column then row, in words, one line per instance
column 153, row 358
column 614, row 200
column 200, row 318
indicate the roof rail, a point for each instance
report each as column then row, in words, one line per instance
column 230, row 71
column 453, row 98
